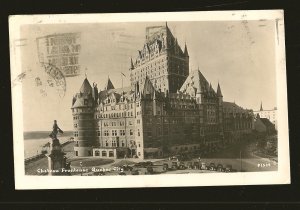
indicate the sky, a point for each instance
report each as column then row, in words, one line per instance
column 239, row 55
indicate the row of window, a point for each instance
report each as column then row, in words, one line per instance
column 120, row 123
column 115, row 115
column 104, row 153
column 118, row 107
column 115, row 132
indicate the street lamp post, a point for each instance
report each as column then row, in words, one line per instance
column 81, row 168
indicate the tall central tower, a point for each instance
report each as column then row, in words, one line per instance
column 162, row 60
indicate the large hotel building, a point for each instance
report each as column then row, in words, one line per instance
column 166, row 110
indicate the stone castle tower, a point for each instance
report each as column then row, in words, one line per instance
column 162, row 60
column 85, row 124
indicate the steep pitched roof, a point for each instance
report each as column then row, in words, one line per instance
column 230, row 106
column 109, row 85
column 219, row 92
column 261, row 108
column 131, row 64
column 86, row 87
column 118, row 92
column 186, row 53
column 267, row 122
column 197, row 81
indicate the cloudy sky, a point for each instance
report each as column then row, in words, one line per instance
column 240, row 55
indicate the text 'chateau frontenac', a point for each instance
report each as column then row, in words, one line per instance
column 167, row 109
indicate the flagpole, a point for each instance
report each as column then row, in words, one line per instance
column 122, row 79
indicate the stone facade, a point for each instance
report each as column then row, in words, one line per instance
column 165, row 111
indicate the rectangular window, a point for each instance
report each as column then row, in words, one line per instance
column 104, row 154
column 98, row 133
column 131, row 132
column 114, row 132
column 122, row 132
column 106, row 133
column 111, row 153
column 114, row 143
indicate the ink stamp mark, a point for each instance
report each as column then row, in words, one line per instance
column 55, row 79
column 61, row 50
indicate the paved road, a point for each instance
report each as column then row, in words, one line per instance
column 248, row 161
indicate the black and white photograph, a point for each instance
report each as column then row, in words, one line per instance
column 149, row 99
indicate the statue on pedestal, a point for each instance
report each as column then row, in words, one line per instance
column 56, row 159
column 55, row 130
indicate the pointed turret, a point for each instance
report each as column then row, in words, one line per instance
column 73, row 100
column 109, row 85
column 186, row 53
column 86, row 87
column 219, row 92
column 131, row 64
column 261, row 107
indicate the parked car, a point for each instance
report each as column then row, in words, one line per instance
column 190, row 165
column 176, row 157
column 220, row 168
column 196, row 165
column 174, row 165
column 165, row 166
column 212, row 167
column 150, row 170
column 182, row 166
column 203, row 166
column 228, row 168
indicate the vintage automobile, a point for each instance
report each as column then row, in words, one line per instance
column 190, row 165
column 196, row 165
column 165, row 166
column 212, row 167
column 150, row 170
column 203, row 166
column 228, row 168
column 181, row 166
column 174, row 165
column 220, row 168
